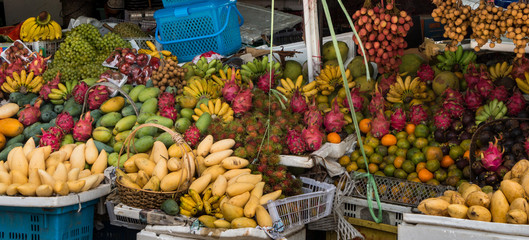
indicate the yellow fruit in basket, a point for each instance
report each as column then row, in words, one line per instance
column 207, row 220
column 204, row 146
column 499, row 206
column 177, row 151
column 270, row 197
column 517, row 216
column 479, row 213
column 44, row 190
column 251, row 205
column 27, row 189
column 457, row 211
column 250, row 178
column 145, row 165
column 153, row 184
column 231, row 212
column 61, row 188
column 263, row 217
column 222, row 145
column 240, row 200
column 75, row 186
column 200, row 183
column 243, row 222
column 219, row 186
column 221, row 223
column 78, row 157
column 217, row 157
column 215, row 171
column 344, row 160
column 113, row 105
column 172, row 181
column 235, row 172
column 234, row 162
column 512, row 190
column 238, row 188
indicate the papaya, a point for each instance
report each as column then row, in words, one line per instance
column 18, row 139
column 114, row 104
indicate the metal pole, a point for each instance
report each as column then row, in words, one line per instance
column 312, row 39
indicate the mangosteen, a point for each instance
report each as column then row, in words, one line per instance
column 477, row 167
column 506, row 81
column 518, row 148
column 508, row 143
column 457, row 125
column 452, row 181
column 446, row 149
column 512, row 124
column 451, row 134
column 465, row 135
column 484, row 138
column 455, row 141
column 508, row 157
column 501, row 171
column 509, row 163
column 471, row 128
column 462, row 163
column 439, row 136
column 524, row 126
column 491, row 178
column 498, row 127
column 482, row 176
column 467, row 172
column 523, row 114
column 468, row 118
column 516, row 132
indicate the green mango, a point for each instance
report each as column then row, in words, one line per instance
column 18, row 139
column 143, row 144
column 100, row 146
column 187, row 113
column 96, row 114
column 182, row 124
column 127, row 88
column 149, row 106
column 102, row 134
column 124, row 124
column 166, row 122
column 135, row 92
column 67, row 139
column 129, row 110
column 166, row 139
column 120, row 137
column 113, row 160
column 146, row 131
column 203, row 122
column 117, row 146
column 110, row 119
column 144, row 116
column 148, row 93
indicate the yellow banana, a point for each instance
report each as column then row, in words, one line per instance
column 222, row 74
column 11, row 82
column 37, row 88
column 24, row 29
column 32, row 32
column 198, row 111
column 497, row 69
column 218, row 105
column 23, row 77
column 190, row 91
column 407, row 83
column 7, row 88
column 311, row 92
column 151, row 46
column 400, row 83
column 62, row 87
column 504, row 67
column 283, row 91
column 522, row 85
column 291, row 84
column 203, row 107
column 309, row 86
column 211, row 107
column 224, row 108
column 299, row 81
column 492, row 71
column 285, row 84
column 57, row 29
column 16, row 77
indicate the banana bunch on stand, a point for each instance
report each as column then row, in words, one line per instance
column 40, row 28
column 23, row 83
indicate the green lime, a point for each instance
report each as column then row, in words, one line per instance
column 421, row 142
column 389, row 170
column 401, row 135
column 408, row 166
column 418, row 157
column 368, row 150
column 375, row 158
column 403, row 143
column 412, row 151
column 360, row 161
column 399, row 173
column 456, row 152
column 422, row 130
column 411, row 138
column 389, row 159
column 392, row 150
column 456, row 172
column 355, row 154
column 380, row 173
column 465, row 144
column 432, row 165
column 382, row 150
column 412, row 175
column 440, row 175
column 372, row 141
column 433, row 181
column 401, row 152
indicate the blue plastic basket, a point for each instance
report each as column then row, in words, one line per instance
column 176, row 3
column 192, row 30
column 504, row 3
column 64, row 223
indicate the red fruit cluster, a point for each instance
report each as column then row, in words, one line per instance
column 382, row 31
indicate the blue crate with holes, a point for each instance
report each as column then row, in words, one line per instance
column 36, row 223
column 176, row 3
column 191, row 30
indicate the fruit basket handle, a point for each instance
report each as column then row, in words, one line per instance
column 156, row 35
column 113, row 86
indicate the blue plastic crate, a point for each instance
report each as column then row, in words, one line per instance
column 64, row 223
column 195, row 29
column 504, row 3
column 176, row 3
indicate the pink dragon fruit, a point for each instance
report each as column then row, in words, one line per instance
column 484, row 88
column 492, row 157
column 473, row 100
column 97, row 96
column 519, row 68
column 52, row 138
column 472, row 77
column 453, row 95
column 417, row 114
column 312, row 116
column 426, row 73
column 442, row 120
column 166, row 99
column 516, row 103
column 65, row 122
column 453, row 109
column 79, row 92
column 298, row 103
column 192, row 135
column 169, row 112
column 385, row 83
column 358, row 100
column 230, row 89
column 242, row 102
column 264, row 83
column 499, row 93
column 46, row 88
column 380, row 125
column 377, row 103
column 398, row 119
column 295, row 143
column 39, row 64
column 83, row 128
column 313, row 138
column 334, row 120
column 30, row 114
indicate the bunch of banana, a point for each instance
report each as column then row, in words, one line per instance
column 330, row 78
column 154, row 52
column 448, row 60
column 215, row 108
column 23, row 83
column 523, row 84
column 192, row 204
column 224, row 76
column 62, row 93
column 288, row 87
column 412, row 91
column 256, row 68
column 202, row 88
column 500, row 70
column 40, row 28
column 492, row 111
column 204, row 69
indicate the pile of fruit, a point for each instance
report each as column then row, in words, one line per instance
column 508, row 204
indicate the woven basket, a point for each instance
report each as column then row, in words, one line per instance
column 147, row 199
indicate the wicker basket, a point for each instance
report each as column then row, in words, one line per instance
column 147, row 199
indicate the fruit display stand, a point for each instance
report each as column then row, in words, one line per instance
column 65, row 217
column 155, row 232
column 417, row 226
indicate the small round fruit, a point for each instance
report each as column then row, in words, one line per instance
column 344, row 160
column 365, row 125
column 399, row 173
column 388, row 140
column 352, row 167
column 401, row 135
column 408, row 166
column 432, row 165
column 425, row 175
column 422, row 130
column 456, row 152
column 403, row 143
column 389, row 170
column 334, row 138
column 392, row 150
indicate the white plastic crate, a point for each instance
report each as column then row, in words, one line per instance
column 123, row 221
column 315, row 203
column 419, row 227
column 57, row 201
column 358, row 208
column 157, row 232
column 48, row 47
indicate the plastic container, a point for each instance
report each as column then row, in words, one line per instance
column 123, row 221
column 191, row 30
column 24, row 57
column 48, row 47
column 73, row 222
column 358, row 208
column 504, row 3
column 314, row 204
column 177, row 3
